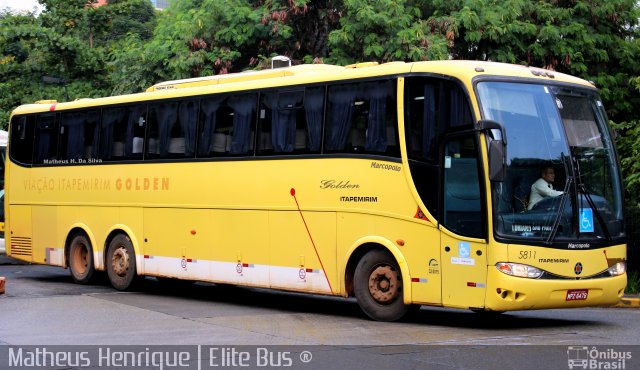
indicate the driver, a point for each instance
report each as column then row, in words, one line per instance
column 543, row 187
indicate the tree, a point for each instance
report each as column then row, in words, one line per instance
column 16, row 40
column 71, row 41
column 589, row 39
column 203, row 37
column 628, row 144
column 388, row 30
column 131, row 17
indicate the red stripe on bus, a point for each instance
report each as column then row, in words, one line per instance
column 293, row 194
column 53, row 107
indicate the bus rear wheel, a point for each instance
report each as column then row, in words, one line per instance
column 121, row 263
column 378, row 287
column 81, row 259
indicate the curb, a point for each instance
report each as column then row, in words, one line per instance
column 628, row 302
column 2, row 281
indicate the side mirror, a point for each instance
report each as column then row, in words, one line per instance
column 497, row 149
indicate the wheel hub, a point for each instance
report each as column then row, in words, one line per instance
column 120, row 261
column 80, row 258
column 384, row 284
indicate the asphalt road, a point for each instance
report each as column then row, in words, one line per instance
column 43, row 307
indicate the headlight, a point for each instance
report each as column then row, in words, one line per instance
column 617, row 269
column 516, row 269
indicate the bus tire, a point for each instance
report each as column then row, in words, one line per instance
column 378, row 287
column 121, row 263
column 81, row 259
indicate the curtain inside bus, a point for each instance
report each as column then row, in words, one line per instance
column 209, row 115
column 244, row 107
column 344, row 99
column 314, row 110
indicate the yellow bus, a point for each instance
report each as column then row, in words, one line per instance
column 402, row 184
column 4, row 135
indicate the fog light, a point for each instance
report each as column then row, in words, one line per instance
column 516, row 269
column 617, row 269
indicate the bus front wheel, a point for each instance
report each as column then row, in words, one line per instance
column 81, row 259
column 378, row 286
column 121, row 262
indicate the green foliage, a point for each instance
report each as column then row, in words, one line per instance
column 69, row 41
column 202, row 37
column 384, row 31
column 633, row 282
column 135, row 17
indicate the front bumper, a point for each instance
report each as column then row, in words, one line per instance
column 510, row 293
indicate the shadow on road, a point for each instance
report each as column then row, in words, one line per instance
column 308, row 303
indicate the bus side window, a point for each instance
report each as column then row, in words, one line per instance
column 122, row 133
column 227, row 125
column 361, row 119
column 22, row 132
column 172, row 129
column 432, row 106
column 462, row 203
column 46, row 142
column 286, row 123
column 78, row 135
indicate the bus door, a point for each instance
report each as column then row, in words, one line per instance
column 463, row 253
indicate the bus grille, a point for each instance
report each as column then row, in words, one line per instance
column 21, row 246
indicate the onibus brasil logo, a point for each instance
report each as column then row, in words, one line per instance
column 583, row 357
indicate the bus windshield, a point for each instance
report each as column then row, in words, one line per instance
column 562, row 182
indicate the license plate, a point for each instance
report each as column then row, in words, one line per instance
column 577, row 294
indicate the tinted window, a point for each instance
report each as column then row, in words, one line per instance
column 462, row 203
column 46, row 145
column 291, row 121
column 79, row 135
column 22, row 130
column 122, row 133
column 432, row 106
column 227, row 125
column 361, row 119
column 172, row 129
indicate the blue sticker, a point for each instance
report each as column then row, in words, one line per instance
column 464, row 249
column 586, row 220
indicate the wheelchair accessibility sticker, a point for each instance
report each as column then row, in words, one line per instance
column 586, row 220
column 464, row 249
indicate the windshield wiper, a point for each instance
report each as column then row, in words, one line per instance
column 583, row 189
column 563, row 200
column 556, row 222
